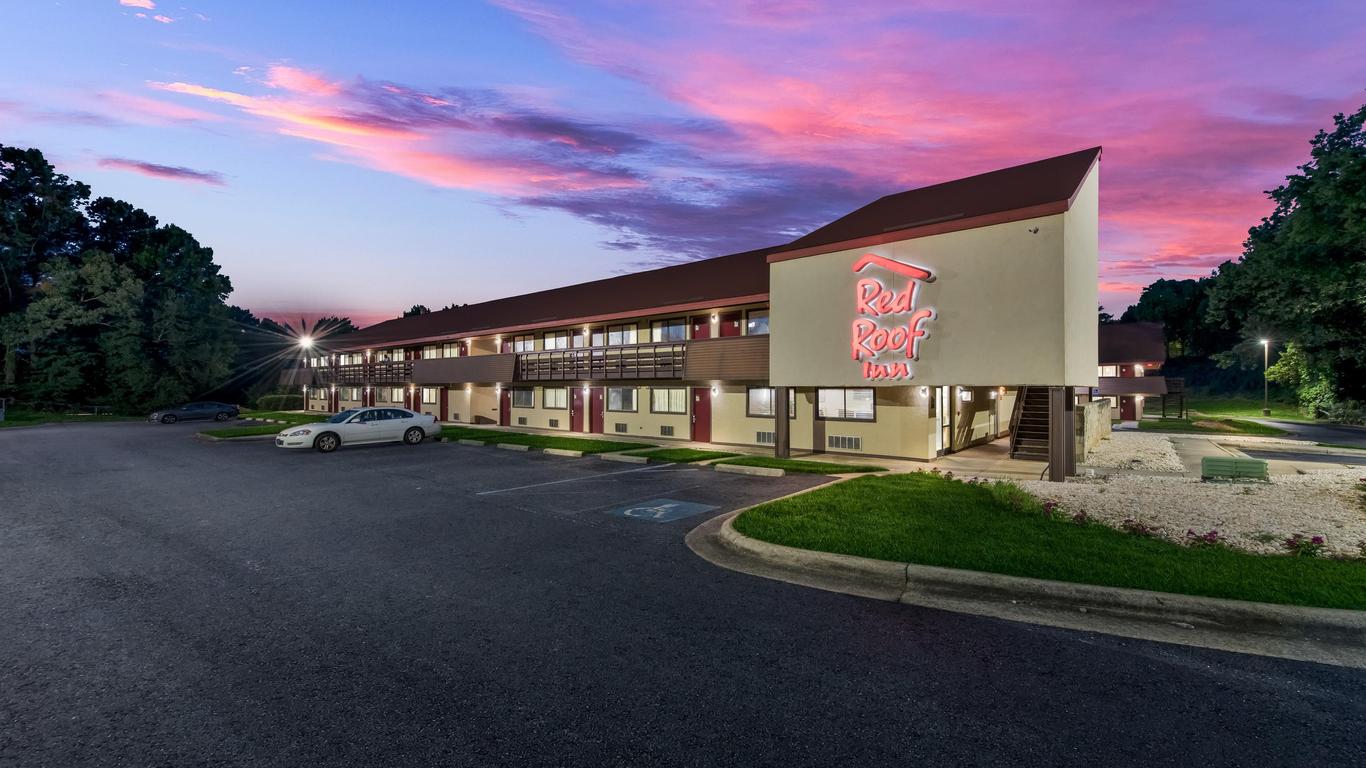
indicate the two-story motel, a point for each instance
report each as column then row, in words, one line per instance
column 926, row 322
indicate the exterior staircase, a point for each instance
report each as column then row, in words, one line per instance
column 1029, row 425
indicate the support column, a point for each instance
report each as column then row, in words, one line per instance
column 1062, row 433
column 782, row 430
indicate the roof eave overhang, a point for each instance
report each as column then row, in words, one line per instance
column 503, row 330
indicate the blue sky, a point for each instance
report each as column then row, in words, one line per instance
column 357, row 158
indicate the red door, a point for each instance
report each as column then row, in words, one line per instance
column 730, row 324
column 701, row 327
column 701, row 414
column 576, row 409
column 505, row 408
column 1127, row 412
column 445, row 412
column 597, row 410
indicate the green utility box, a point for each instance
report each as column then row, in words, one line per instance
column 1230, row 468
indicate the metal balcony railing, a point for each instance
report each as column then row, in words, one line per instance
column 639, row 361
column 396, row 372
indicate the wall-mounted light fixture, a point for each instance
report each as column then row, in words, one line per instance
column 713, row 391
column 993, row 394
column 715, row 317
column 585, row 389
column 965, row 395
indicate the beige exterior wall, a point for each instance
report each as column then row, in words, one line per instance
column 538, row 416
column 1015, row 304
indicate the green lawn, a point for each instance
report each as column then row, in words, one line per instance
column 587, row 445
column 1235, row 407
column 16, row 417
column 682, row 455
column 287, row 416
column 807, row 467
column 926, row 519
column 1212, row 426
column 291, row 419
column 1341, row 445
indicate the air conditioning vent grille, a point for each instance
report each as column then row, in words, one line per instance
column 521, row 421
column 666, row 430
column 844, row 442
column 554, row 423
column 765, row 438
column 619, row 427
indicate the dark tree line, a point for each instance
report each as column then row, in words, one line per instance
column 101, row 303
column 1300, row 283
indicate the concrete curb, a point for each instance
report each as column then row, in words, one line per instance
column 1323, row 635
column 463, row 441
column 240, row 439
column 623, row 458
column 514, row 447
column 744, row 469
column 563, row 452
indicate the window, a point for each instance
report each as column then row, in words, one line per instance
column 674, row 329
column 555, row 340
column 396, row 395
column 381, row 395
column 429, row 395
column 451, row 349
column 851, row 404
column 578, row 339
column 760, row 402
column 1108, row 370
column 523, row 398
column 621, row 334
column 599, row 337
column 621, row 399
column 353, row 393
column 431, row 352
column 668, row 400
column 524, row 343
column 756, row 322
column 555, row 397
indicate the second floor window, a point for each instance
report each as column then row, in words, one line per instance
column 524, row 343
column 555, row 340
column 756, row 322
column 675, row 329
column 451, row 349
column 621, row 334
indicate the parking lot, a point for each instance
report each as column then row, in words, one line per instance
column 167, row 601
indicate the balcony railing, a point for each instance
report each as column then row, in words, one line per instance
column 396, row 372
column 640, row 361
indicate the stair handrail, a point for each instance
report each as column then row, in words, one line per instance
column 1015, row 412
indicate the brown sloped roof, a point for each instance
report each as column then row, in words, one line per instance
column 1024, row 191
column 1034, row 189
column 1131, row 343
column 739, row 276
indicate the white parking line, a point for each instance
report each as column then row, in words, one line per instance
column 574, row 479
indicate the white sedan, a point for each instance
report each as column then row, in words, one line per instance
column 355, row 426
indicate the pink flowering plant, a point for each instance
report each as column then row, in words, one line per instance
column 1304, row 546
column 1206, row 539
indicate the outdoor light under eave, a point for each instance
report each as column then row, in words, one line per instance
column 305, row 342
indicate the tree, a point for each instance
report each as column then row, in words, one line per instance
column 417, row 309
column 1302, row 276
column 41, row 222
column 1181, row 307
column 1105, row 317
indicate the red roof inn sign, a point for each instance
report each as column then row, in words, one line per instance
column 887, row 333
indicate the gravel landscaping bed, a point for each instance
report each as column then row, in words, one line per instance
column 1253, row 516
column 1134, row 450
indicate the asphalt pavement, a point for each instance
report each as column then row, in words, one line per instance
column 166, row 601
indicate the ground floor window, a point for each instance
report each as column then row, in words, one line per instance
column 760, row 402
column 523, row 398
column 429, row 395
column 668, row 400
column 555, row 397
column 396, row 395
column 853, row 404
column 621, row 399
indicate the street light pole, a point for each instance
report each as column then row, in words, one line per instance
column 1266, row 359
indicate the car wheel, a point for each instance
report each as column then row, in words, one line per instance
column 326, row 442
column 222, row 416
column 414, row 436
column 168, row 419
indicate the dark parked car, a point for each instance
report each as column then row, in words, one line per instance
column 191, row 411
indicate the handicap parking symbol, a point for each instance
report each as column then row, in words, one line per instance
column 661, row 510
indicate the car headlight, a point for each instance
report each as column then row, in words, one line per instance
column 298, row 433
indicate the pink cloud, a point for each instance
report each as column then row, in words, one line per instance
column 144, row 110
column 300, row 81
column 170, row 172
column 147, row 4
column 163, row 19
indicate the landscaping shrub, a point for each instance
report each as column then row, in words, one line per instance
column 280, row 402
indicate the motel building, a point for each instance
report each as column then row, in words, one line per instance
column 927, row 322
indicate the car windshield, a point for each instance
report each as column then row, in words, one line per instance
column 343, row 416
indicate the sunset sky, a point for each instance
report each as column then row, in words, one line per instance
column 357, row 158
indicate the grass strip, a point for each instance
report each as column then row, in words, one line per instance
column 1236, row 407
column 682, row 455
column 1210, row 426
column 806, row 467
column 999, row 528
column 19, row 417
column 252, row 431
column 587, row 445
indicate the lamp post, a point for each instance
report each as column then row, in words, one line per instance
column 1266, row 359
